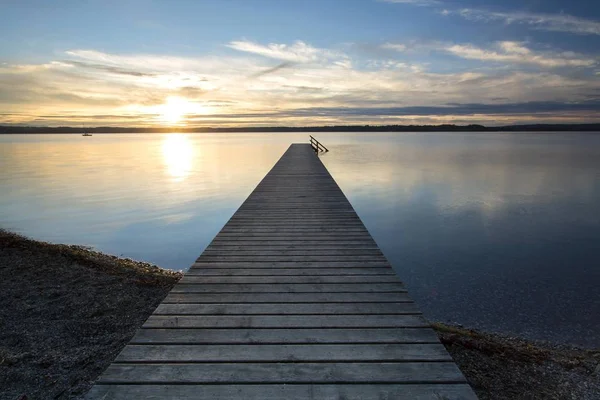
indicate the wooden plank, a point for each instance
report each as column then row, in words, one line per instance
column 294, row 253
column 281, row 353
column 344, row 215
column 286, row 321
column 232, row 244
column 291, row 250
column 289, row 288
column 247, row 210
column 295, row 222
column 295, row 238
column 246, row 213
column 281, row 208
column 295, row 202
column 289, row 280
column 284, row 391
column 202, row 263
column 290, row 235
column 384, row 372
column 286, row 298
column 288, row 220
column 284, row 336
column 284, row 258
column 297, row 192
column 294, row 226
column 310, row 185
column 276, row 204
column 241, row 272
column 285, row 229
column 287, row 309
column 304, row 194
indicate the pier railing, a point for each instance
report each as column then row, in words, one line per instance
column 316, row 145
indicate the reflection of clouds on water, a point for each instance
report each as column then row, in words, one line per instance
column 491, row 230
column 63, row 189
column 496, row 233
column 177, row 217
column 453, row 179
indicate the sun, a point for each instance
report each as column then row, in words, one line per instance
column 173, row 111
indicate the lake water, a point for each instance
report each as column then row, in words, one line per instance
column 498, row 231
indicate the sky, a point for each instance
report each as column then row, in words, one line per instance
column 298, row 62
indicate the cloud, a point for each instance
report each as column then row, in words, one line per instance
column 447, row 109
column 106, row 68
column 517, row 53
column 548, row 22
column 508, row 52
column 458, row 109
column 394, row 46
column 153, row 62
column 299, row 52
column 271, row 70
column 305, row 88
column 542, row 21
column 419, row 3
column 329, row 91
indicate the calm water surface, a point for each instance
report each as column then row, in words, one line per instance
column 493, row 231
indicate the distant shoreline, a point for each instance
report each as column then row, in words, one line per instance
column 13, row 129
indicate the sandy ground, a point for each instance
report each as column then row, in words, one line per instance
column 67, row 311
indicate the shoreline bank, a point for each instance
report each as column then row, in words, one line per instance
column 67, row 311
column 65, row 314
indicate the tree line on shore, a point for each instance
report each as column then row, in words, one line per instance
column 15, row 129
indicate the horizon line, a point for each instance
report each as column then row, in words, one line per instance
column 15, row 129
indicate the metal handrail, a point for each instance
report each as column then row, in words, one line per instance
column 316, row 145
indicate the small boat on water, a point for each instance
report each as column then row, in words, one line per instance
column 84, row 132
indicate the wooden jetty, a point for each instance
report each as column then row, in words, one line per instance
column 291, row 300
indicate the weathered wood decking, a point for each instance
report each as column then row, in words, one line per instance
column 292, row 300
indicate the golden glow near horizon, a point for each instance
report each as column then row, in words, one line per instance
column 178, row 155
column 297, row 85
column 175, row 108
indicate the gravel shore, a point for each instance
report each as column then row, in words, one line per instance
column 507, row 368
column 67, row 311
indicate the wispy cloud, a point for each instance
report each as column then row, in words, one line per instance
column 542, row 21
column 299, row 51
column 420, row 3
column 271, row 70
column 451, row 109
column 394, row 46
column 138, row 62
column 106, row 68
column 517, row 53
column 548, row 22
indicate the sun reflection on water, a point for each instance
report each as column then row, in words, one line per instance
column 178, row 155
